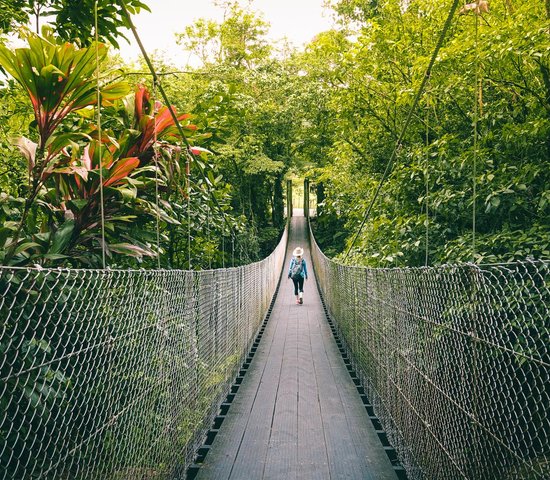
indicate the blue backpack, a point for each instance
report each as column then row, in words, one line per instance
column 296, row 271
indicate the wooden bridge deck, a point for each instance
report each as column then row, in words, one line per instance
column 297, row 414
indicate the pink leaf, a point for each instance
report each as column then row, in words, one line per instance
column 121, row 169
column 199, row 150
column 28, row 149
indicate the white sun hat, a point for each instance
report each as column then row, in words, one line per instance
column 298, row 252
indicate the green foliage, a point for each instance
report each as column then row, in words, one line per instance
column 241, row 96
column 332, row 112
column 12, row 13
column 156, row 201
column 239, row 41
column 80, row 183
column 73, row 21
column 372, row 69
column 15, row 116
column 58, row 79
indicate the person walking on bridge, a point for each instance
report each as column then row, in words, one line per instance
column 298, row 272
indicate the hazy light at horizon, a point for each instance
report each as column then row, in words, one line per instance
column 298, row 21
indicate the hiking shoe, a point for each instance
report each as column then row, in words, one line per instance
column 301, row 300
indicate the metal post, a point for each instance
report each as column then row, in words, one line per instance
column 306, row 197
column 289, row 199
column 320, row 196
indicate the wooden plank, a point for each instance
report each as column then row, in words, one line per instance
column 220, row 460
column 342, row 456
column 364, row 438
column 312, row 450
column 281, row 457
column 251, row 456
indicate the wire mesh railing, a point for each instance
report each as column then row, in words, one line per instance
column 112, row 374
column 454, row 359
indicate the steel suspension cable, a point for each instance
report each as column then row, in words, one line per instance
column 398, row 144
column 177, row 123
column 208, row 236
column 223, row 249
column 476, row 112
column 188, row 178
column 99, row 143
column 427, row 179
column 155, row 156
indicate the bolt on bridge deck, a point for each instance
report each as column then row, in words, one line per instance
column 297, row 413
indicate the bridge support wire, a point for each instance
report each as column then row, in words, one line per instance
column 405, row 127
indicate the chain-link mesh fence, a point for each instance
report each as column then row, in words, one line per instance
column 111, row 374
column 455, row 360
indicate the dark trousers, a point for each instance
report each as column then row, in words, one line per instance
column 298, row 285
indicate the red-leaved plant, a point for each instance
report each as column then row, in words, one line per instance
column 67, row 170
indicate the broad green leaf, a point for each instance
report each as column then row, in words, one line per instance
column 131, row 250
column 5, row 233
column 55, row 256
column 26, row 246
column 115, row 91
column 62, row 237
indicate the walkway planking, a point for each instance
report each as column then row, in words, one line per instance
column 297, row 414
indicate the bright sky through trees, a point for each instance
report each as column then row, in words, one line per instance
column 298, row 20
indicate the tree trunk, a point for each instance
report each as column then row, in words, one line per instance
column 278, row 214
column 545, row 73
column 320, row 196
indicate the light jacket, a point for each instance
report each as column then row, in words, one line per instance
column 304, row 267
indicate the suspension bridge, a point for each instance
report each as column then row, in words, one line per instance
column 436, row 373
column 297, row 413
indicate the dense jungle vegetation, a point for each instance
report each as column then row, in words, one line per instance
column 254, row 113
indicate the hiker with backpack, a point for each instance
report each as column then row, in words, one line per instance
column 298, row 272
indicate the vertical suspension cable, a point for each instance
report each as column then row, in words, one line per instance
column 99, row 143
column 427, row 179
column 474, row 293
column 223, row 248
column 405, row 127
column 188, row 172
column 476, row 111
column 171, row 109
column 208, row 236
column 155, row 156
